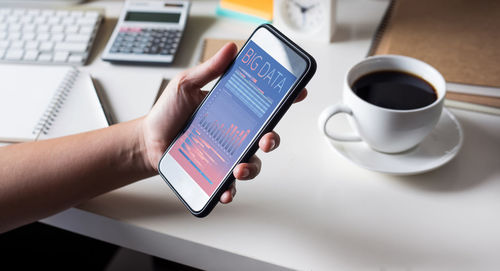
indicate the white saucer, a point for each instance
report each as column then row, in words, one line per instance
column 438, row 148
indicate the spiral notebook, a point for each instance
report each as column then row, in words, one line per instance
column 460, row 38
column 40, row 102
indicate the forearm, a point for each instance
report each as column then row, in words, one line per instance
column 38, row 179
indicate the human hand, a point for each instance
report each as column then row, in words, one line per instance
column 180, row 98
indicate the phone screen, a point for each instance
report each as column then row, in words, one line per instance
column 233, row 115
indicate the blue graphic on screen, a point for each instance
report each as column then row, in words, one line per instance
column 231, row 116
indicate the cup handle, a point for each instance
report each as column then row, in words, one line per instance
column 327, row 114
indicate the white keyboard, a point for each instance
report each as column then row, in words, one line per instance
column 47, row 36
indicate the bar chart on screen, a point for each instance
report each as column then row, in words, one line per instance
column 228, row 137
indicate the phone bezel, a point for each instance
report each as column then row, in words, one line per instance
column 299, row 84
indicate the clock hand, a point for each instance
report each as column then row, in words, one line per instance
column 303, row 9
column 310, row 7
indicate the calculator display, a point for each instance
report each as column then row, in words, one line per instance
column 157, row 17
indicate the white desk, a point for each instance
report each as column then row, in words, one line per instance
column 309, row 209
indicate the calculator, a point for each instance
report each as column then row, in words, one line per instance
column 147, row 32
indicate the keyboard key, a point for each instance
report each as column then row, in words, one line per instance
column 40, row 20
column 57, row 29
column 46, row 46
column 86, row 21
column 68, row 21
column 14, row 54
column 26, row 19
column 61, row 56
column 86, row 29
column 71, row 47
column 54, row 20
column 14, row 36
column 57, row 37
column 15, row 27
column 31, row 44
column 31, row 55
column 77, row 38
column 72, row 29
column 4, row 44
column 19, row 44
column 76, row 59
column 44, row 28
column 43, row 37
column 47, row 57
column 12, row 19
column 28, row 36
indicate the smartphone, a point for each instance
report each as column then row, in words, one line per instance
column 246, row 102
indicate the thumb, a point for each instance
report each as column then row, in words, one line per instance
column 202, row 74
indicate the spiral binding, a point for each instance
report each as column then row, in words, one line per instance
column 47, row 119
column 381, row 29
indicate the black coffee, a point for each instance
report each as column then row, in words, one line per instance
column 395, row 90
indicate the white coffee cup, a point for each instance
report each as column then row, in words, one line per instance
column 383, row 129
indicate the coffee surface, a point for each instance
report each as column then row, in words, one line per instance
column 395, row 90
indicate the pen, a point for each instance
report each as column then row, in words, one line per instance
column 104, row 105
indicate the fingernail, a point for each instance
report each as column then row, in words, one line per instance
column 245, row 172
column 273, row 144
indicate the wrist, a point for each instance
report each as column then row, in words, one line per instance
column 152, row 144
column 143, row 153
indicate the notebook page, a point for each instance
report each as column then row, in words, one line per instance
column 80, row 112
column 25, row 94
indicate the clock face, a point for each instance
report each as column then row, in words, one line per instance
column 304, row 15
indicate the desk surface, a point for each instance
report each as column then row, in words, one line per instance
column 308, row 209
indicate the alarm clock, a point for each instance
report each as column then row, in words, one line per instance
column 312, row 20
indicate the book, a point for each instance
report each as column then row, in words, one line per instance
column 458, row 37
column 259, row 8
column 40, row 102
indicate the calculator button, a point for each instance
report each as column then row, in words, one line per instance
column 138, row 51
column 125, row 50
